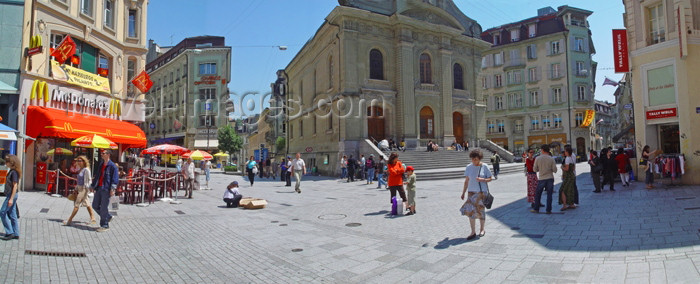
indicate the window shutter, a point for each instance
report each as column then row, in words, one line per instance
column 540, row 98
column 549, row 48
column 489, row 103
column 489, row 60
column 538, row 73
column 585, row 45
column 551, row 96
column 564, row 94
column 572, row 43
column 561, row 46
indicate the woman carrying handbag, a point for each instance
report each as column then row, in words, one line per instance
column 81, row 191
column 477, row 175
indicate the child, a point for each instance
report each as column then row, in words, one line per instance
column 232, row 196
column 411, row 190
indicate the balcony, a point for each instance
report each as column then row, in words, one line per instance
column 513, row 63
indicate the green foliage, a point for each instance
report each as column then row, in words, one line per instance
column 230, row 168
column 281, row 143
column 229, row 141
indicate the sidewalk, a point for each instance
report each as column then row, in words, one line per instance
column 338, row 232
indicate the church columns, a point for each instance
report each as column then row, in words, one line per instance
column 446, row 88
column 406, row 107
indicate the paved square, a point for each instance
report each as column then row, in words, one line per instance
column 631, row 235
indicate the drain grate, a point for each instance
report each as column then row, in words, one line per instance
column 692, row 208
column 54, row 253
column 274, row 222
column 532, row 236
column 44, row 210
column 295, row 219
column 297, row 250
column 685, row 198
column 179, row 212
column 332, row 198
column 353, row 224
column 285, row 204
column 283, row 225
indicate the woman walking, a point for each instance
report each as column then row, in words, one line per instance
column 646, row 166
column 84, row 180
column 622, row 163
column 395, row 181
column 531, row 176
column 8, row 212
column 609, row 168
column 251, row 169
column 567, row 192
column 476, row 177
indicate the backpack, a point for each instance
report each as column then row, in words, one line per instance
column 369, row 164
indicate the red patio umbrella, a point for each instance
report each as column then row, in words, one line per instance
column 198, row 155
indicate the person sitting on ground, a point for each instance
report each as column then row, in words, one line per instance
column 384, row 145
column 435, row 147
column 402, row 145
column 392, row 145
column 232, row 196
column 430, row 145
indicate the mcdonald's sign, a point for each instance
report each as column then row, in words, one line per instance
column 40, row 91
column 35, row 46
column 115, row 107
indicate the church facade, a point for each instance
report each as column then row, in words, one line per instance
column 401, row 69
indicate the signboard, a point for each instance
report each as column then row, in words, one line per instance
column 661, row 113
column 152, row 125
column 556, row 138
column 265, row 154
column 41, row 173
column 79, row 77
column 52, row 176
column 628, row 106
column 35, row 46
column 209, row 80
column 661, row 86
column 536, row 140
column 3, row 177
column 620, row 51
column 682, row 30
column 588, row 118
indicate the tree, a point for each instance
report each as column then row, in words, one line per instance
column 280, row 144
column 229, row 141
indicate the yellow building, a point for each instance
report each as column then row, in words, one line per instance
column 664, row 51
column 89, row 93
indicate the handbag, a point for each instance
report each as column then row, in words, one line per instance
column 255, row 170
column 488, row 198
column 73, row 196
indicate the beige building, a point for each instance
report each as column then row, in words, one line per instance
column 664, row 50
column 400, row 69
column 90, row 93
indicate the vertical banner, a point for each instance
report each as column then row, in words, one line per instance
column 588, row 118
column 620, row 51
column 41, row 173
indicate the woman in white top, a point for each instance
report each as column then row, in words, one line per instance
column 84, row 181
column 232, row 196
column 476, row 175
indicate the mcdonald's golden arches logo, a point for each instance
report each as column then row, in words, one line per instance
column 115, row 107
column 35, row 45
column 108, row 132
column 67, row 127
column 40, row 91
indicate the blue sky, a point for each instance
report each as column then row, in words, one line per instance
column 254, row 28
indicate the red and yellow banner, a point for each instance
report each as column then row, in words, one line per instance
column 79, row 77
column 588, row 118
column 143, row 82
column 65, row 49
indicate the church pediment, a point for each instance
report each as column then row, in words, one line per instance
column 433, row 18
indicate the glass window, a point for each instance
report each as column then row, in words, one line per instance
column 534, row 98
column 458, row 77
column 132, row 23
column 103, row 65
column 657, row 24
column 557, row 120
column 581, row 93
column 556, row 95
column 498, row 59
column 499, row 102
column 519, row 126
column 109, row 13
column 515, row 35
column 207, row 69
column 425, row 69
column 578, row 44
column 545, row 122
column 554, row 47
column 535, row 123
column 501, row 126
column 86, row 7
column 207, row 94
column 532, row 51
column 579, row 118
column 131, row 69
column 498, row 80
column 555, row 71
column 532, row 74
column 581, row 68
column 531, row 30
column 376, row 65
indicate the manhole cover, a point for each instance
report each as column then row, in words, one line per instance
column 332, row 216
column 297, row 250
column 274, row 221
column 283, row 225
column 353, row 224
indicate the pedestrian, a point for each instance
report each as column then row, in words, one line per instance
column 104, row 183
column 8, row 211
column 466, row 146
column 283, row 170
column 496, row 162
column 232, row 196
column 207, row 170
column 268, row 167
column 396, row 170
column 645, row 162
column 261, row 168
column 622, row 163
column 430, row 145
column 476, row 177
column 609, row 169
column 567, row 189
column 274, row 167
column 381, row 173
column 252, row 169
column 392, row 145
column 596, row 169
column 84, row 179
column 352, row 164
column 369, row 166
column 189, row 177
column 178, row 165
column 298, row 170
column 288, row 176
column 343, row 167
column 531, row 176
column 545, row 166
column 361, row 169
column 411, row 190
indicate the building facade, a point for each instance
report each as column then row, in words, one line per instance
column 624, row 136
column 400, row 69
column 190, row 92
column 606, row 124
column 538, row 81
column 89, row 93
column 11, row 46
column 663, row 37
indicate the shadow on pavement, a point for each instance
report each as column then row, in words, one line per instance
column 632, row 218
column 382, row 212
column 447, row 242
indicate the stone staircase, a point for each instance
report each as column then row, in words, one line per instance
column 447, row 164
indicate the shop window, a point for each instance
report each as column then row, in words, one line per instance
column 426, row 74
column 376, row 65
column 207, row 69
column 670, row 139
column 133, row 23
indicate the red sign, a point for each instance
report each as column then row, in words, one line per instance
column 209, row 80
column 41, row 173
column 661, row 113
column 52, row 177
column 309, row 149
column 143, row 82
column 64, row 50
column 620, row 51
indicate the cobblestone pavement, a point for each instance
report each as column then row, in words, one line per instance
column 337, row 232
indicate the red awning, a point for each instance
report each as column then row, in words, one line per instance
column 47, row 122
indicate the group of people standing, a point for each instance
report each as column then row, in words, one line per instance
column 367, row 169
column 288, row 168
column 609, row 165
column 540, row 179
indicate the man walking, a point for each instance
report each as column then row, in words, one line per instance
column 298, row 170
column 596, row 169
column 352, row 164
column 343, row 167
column 545, row 166
column 496, row 161
column 189, row 177
column 362, row 167
column 105, row 184
column 289, row 171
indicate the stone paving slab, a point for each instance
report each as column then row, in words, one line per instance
column 632, row 235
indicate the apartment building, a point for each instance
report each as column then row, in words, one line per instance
column 538, row 81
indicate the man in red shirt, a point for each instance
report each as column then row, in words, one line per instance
column 622, row 163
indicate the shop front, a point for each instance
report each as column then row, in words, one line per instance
column 556, row 143
column 519, row 147
column 534, row 142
